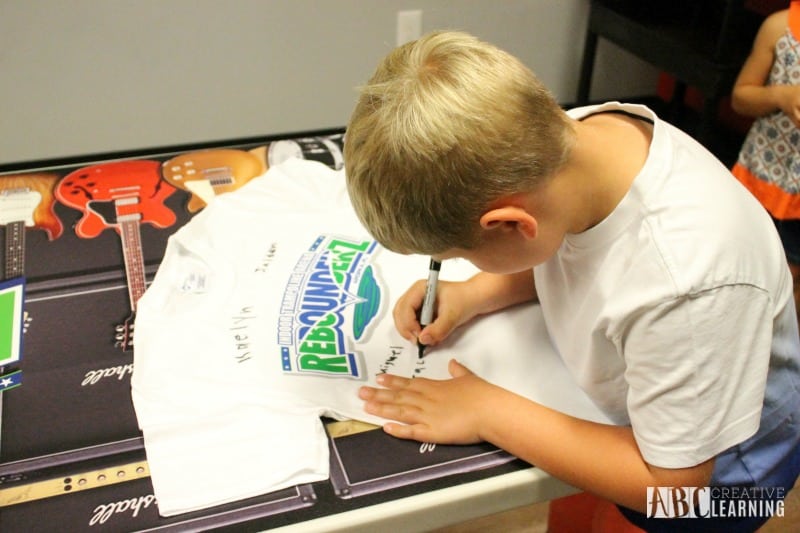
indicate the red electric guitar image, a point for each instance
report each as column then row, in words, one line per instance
column 120, row 195
column 208, row 173
column 26, row 200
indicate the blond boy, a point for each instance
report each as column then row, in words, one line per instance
column 662, row 281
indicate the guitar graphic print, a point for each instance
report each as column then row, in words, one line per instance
column 26, row 201
column 120, row 195
column 207, row 173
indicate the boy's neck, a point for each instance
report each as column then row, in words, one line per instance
column 609, row 152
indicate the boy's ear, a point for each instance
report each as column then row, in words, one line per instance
column 512, row 217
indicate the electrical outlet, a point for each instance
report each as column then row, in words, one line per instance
column 409, row 26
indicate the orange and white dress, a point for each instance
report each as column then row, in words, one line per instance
column 769, row 160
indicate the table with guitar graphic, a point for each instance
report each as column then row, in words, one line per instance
column 86, row 235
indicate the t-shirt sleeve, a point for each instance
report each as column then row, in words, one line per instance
column 697, row 369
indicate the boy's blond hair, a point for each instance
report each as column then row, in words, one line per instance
column 446, row 125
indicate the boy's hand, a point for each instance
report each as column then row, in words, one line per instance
column 454, row 307
column 446, row 412
column 459, row 302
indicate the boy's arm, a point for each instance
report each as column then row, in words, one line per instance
column 751, row 96
column 601, row 458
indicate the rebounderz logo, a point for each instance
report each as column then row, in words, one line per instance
column 331, row 298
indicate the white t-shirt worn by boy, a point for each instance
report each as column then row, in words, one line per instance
column 675, row 313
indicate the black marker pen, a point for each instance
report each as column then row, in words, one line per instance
column 426, row 313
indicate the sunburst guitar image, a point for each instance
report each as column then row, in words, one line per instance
column 120, row 195
column 208, row 173
column 26, row 202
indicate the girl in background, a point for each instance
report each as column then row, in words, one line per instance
column 768, row 89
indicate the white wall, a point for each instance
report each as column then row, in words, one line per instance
column 89, row 76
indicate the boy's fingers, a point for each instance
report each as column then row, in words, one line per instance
column 406, row 431
column 439, row 329
column 405, row 312
column 457, row 370
column 425, row 338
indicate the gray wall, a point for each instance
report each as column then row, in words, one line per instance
column 87, row 76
